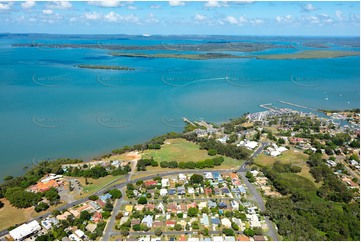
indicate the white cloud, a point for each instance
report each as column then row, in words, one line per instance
column 176, row 3
column 285, row 19
column 243, row 20
column 106, row 3
column 112, row 17
column 48, row 11
column 199, row 17
column 132, row 7
column 5, row 6
column 231, row 20
column 155, row 6
column 151, row 19
column 28, row 4
column 92, row 16
column 60, row 5
column 215, row 4
column 339, row 15
column 308, row 7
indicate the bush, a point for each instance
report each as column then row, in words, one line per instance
column 41, row 207
column 116, row 193
column 212, row 152
column 93, row 197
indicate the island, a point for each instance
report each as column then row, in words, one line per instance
column 105, row 67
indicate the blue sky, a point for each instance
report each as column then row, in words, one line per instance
column 318, row 18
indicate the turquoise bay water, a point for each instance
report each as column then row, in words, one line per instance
column 51, row 109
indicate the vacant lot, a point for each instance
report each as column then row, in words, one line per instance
column 96, row 184
column 294, row 157
column 177, row 150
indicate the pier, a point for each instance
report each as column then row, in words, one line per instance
column 187, row 121
column 296, row 105
column 268, row 106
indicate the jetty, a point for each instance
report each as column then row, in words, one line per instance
column 187, row 121
column 297, row 105
column 268, row 106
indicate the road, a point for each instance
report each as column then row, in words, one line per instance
column 256, row 195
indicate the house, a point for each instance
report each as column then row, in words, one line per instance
column 225, row 190
column 205, row 220
column 207, row 190
column 238, row 222
column 150, row 206
column 135, row 221
column 182, row 177
column 215, row 220
column 294, row 140
column 150, row 183
column 208, row 175
column 182, row 238
column 190, row 190
column 229, row 238
column 235, row 205
column 242, row 238
column 192, row 205
column 163, row 192
column 48, row 223
column 63, row 216
column 222, row 205
column 170, row 223
column 172, row 191
column 80, row 234
column 100, row 203
column 157, row 224
column 217, row 191
column 96, row 217
column 91, row 227
column 212, row 204
column 202, row 205
column 258, row 238
column 165, row 182
column 73, row 237
column 251, row 145
column 129, row 208
column 160, row 207
column 226, row 223
column 242, row 189
column 217, row 238
column 224, row 139
column 44, row 186
column 181, row 191
column 172, row 208
column 123, row 220
column 139, row 207
column 94, row 205
column 148, row 220
column 105, row 197
column 182, row 207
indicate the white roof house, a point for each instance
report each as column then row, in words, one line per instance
column 182, row 177
column 79, row 233
column 163, row 192
column 235, row 205
column 251, row 144
column 190, row 190
column 165, row 182
column 275, row 153
column 73, row 237
column 226, row 223
column 25, row 230
column 208, row 175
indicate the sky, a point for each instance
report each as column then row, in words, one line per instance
column 310, row 18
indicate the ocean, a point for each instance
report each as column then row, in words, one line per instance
column 50, row 109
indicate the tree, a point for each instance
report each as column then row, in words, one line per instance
column 180, row 215
column 235, row 226
column 192, row 212
column 108, row 206
column 136, row 227
column 116, row 193
column 41, row 207
column 93, row 197
column 21, row 199
column 52, row 194
column 196, row 179
column 124, row 231
column 258, row 231
column 195, row 225
column 212, row 152
column 178, row 227
column 143, row 227
column 249, row 232
column 158, row 232
column 85, row 216
column 142, row 200
column 228, row 232
column 8, row 178
column 205, row 210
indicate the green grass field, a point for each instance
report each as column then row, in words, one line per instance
column 291, row 156
column 183, row 150
column 177, row 150
column 96, row 184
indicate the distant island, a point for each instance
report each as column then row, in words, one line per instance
column 105, row 67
